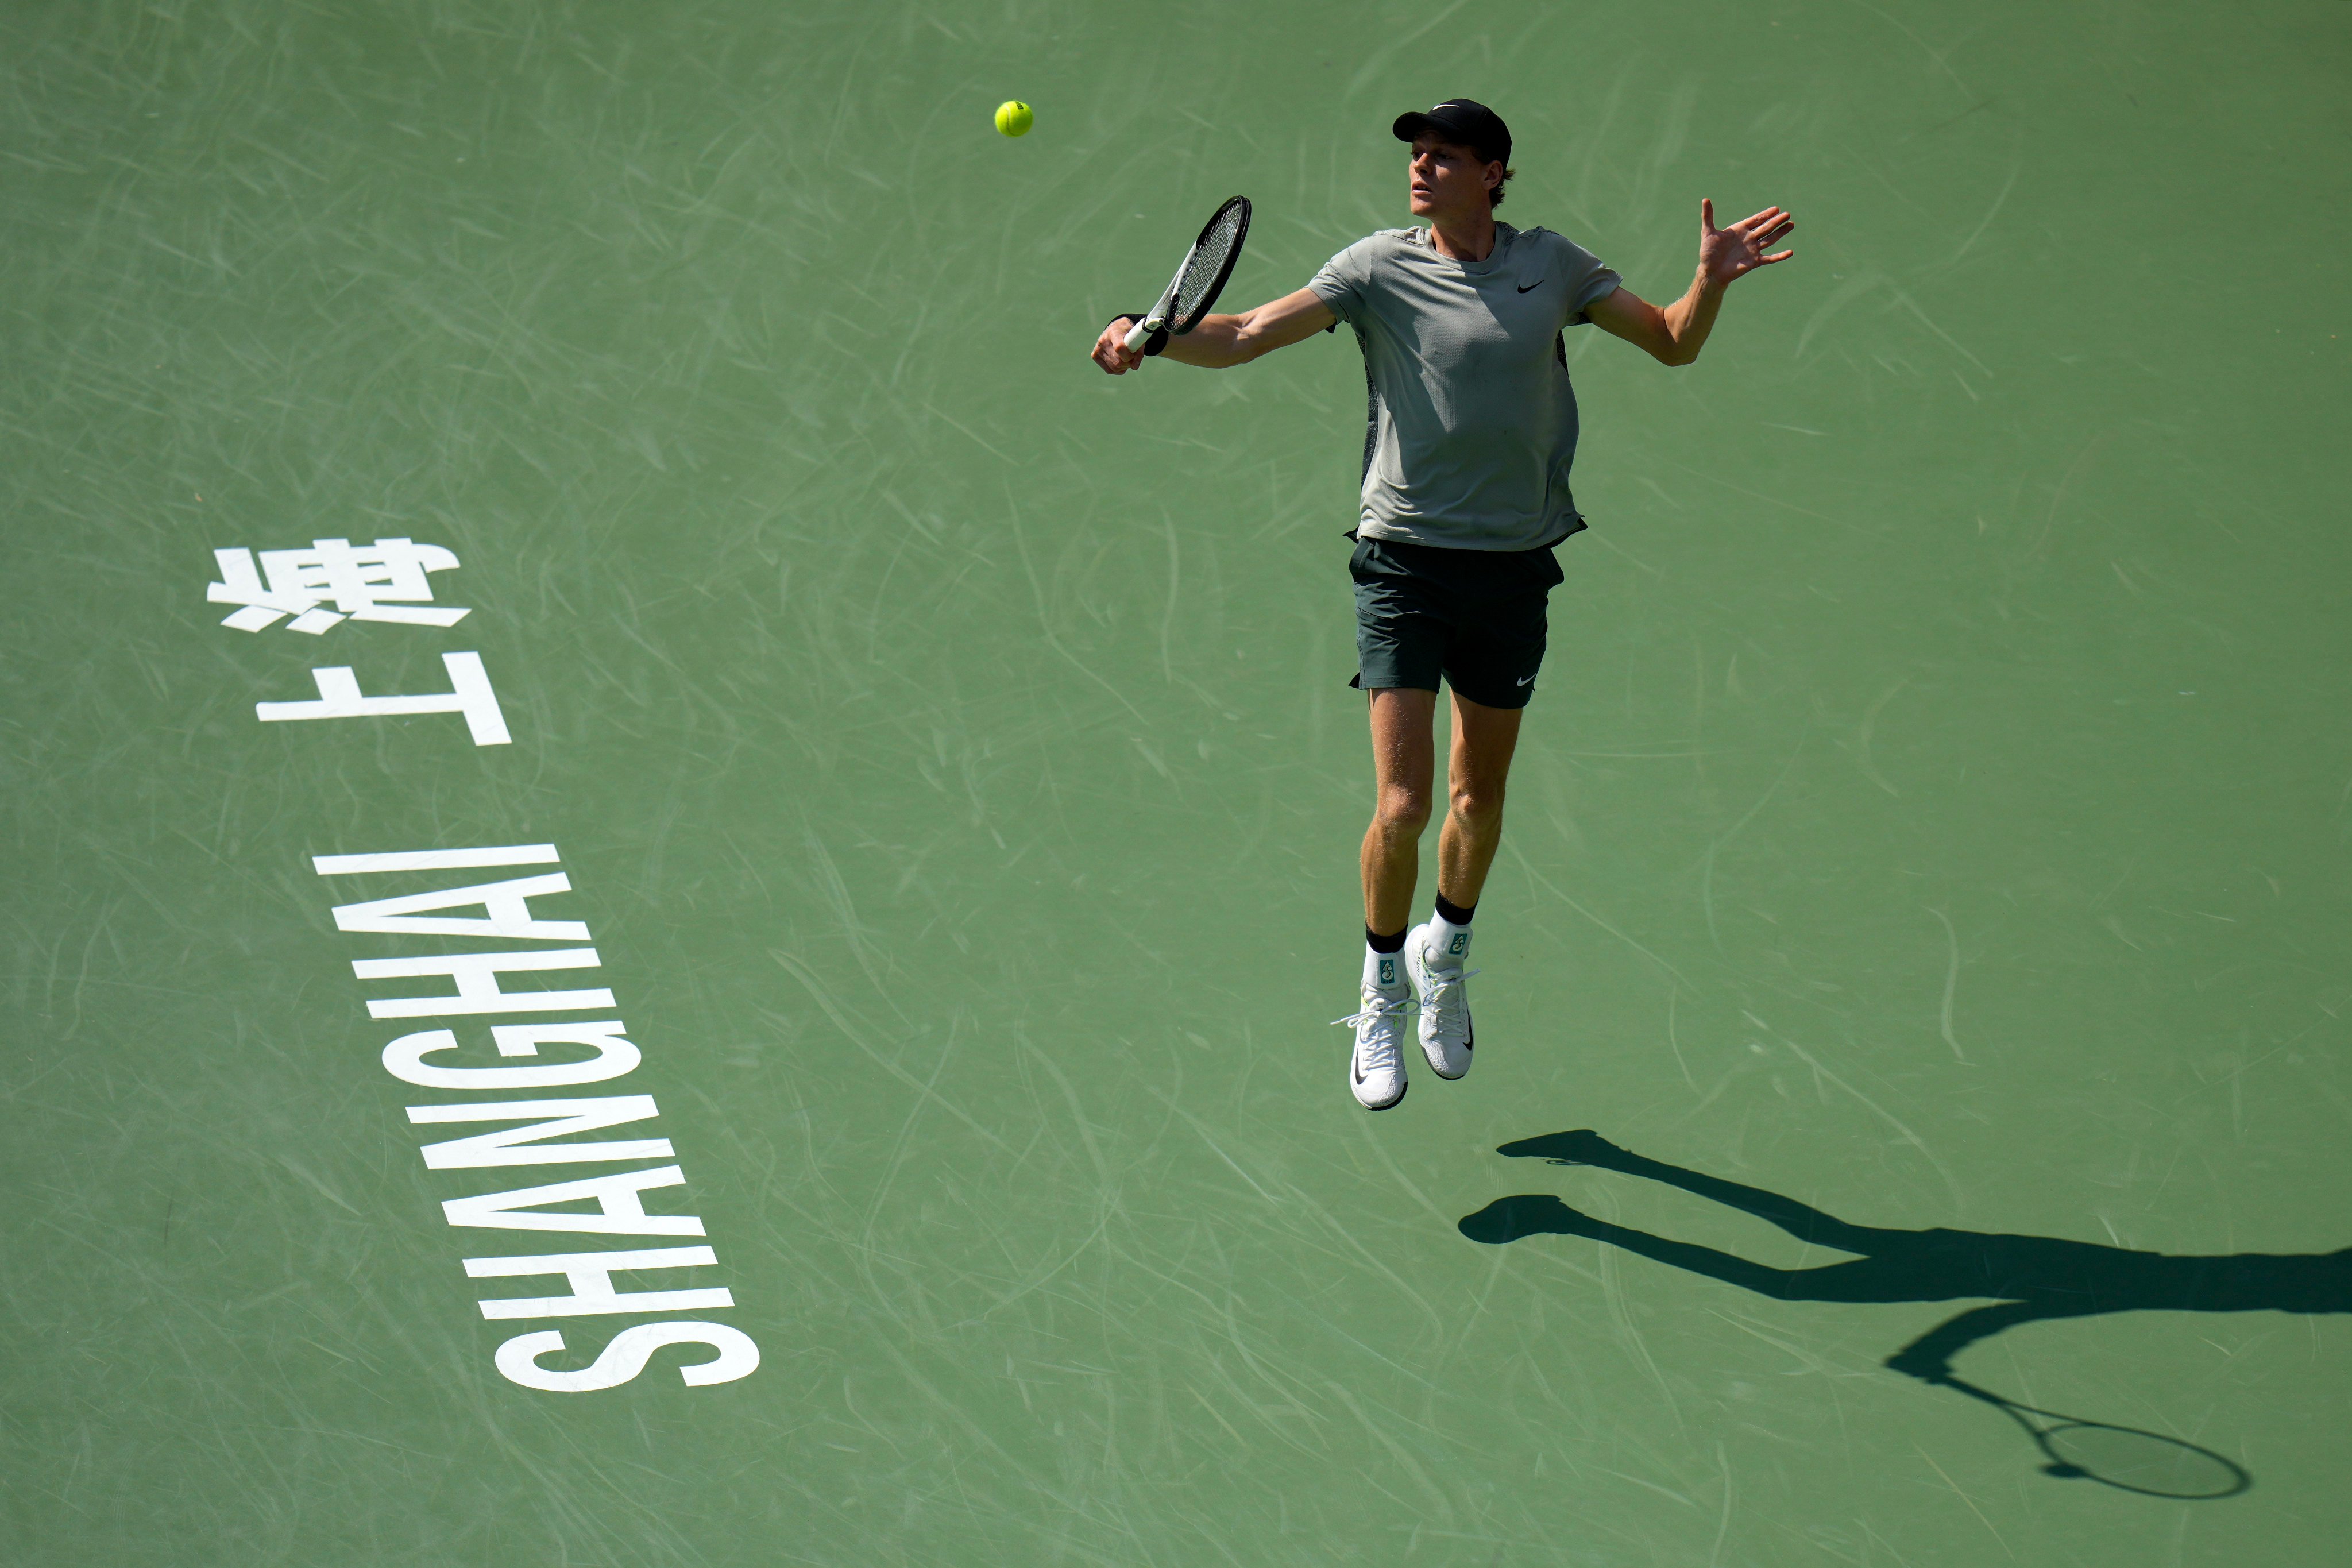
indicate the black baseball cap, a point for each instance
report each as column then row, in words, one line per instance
column 1465, row 121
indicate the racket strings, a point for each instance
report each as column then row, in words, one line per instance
column 1207, row 266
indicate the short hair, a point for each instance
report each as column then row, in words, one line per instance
column 1495, row 196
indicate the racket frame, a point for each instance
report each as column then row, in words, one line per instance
column 1158, row 319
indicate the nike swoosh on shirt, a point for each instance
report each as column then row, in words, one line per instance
column 1537, row 284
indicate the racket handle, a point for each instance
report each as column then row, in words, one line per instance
column 1138, row 335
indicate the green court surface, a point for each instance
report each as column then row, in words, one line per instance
column 1934, row 811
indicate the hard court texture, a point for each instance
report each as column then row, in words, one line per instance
column 1934, row 810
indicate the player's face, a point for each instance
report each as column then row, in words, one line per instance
column 1447, row 180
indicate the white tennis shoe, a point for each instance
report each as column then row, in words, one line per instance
column 1441, row 984
column 1376, row 1065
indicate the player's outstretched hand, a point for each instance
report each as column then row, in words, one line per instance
column 1739, row 248
column 1112, row 351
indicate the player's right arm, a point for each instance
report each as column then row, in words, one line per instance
column 1221, row 341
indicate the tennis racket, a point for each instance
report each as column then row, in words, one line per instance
column 1200, row 278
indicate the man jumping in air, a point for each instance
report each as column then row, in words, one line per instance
column 1472, row 429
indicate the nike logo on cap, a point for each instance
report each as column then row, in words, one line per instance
column 1527, row 680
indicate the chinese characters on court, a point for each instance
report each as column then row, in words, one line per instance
column 384, row 582
column 313, row 591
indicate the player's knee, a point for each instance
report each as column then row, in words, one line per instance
column 1476, row 804
column 1403, row 810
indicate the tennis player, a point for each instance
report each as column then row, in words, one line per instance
column 1471, row 431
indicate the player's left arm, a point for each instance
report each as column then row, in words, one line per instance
column 1675, row 334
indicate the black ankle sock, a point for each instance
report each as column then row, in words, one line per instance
column 1380, row 943
column 1453, row 914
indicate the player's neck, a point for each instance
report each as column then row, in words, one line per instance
column 1470, row 238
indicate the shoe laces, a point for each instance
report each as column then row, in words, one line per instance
column 1445, row 987
column 1370, row 1016
column 1376, row 1007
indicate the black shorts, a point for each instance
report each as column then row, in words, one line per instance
column 1474, row 616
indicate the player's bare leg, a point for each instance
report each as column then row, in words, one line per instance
column 1485, row 739
column 1403, row 764
column 1434, row 954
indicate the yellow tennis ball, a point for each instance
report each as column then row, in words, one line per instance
column 1013, row 118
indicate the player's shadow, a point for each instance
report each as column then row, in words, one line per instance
column 2025, row 1278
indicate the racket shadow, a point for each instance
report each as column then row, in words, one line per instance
column 2126, row 1458
column 2022, row 1278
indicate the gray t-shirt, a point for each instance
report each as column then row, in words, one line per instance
column 1473, row 422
